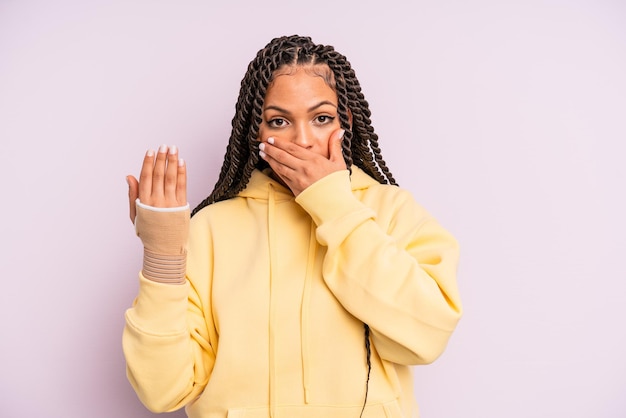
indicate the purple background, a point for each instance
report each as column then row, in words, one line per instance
column 507, row 120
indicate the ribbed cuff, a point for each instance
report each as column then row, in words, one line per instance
column 164, row 268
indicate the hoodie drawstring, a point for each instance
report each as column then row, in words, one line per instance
column 271, row 231
column 304, row 315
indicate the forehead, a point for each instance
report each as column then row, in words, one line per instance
column 299, row 85
column 322, row 70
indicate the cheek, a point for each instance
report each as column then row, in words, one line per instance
column 262, row 132
column 322, row 146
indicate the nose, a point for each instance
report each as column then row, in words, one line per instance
column 303, row 136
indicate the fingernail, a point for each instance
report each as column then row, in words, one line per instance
column 343, row 131
column 163, row 148
column 173, row 150
column 181, row 162
column 262, row 154
column 270, row 140
column 262, row 146
column 150, row 153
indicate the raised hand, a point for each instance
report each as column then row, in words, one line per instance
column 299, row 167
column 162, row 182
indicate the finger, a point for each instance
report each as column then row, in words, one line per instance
column 287, row 149
column 281, row 170
column 277, row 167
column 171, row 172
column 334, row 145
column 158, row 175
column 145, row 177
column 278, row 152
column 133, row 193
column 181, row 183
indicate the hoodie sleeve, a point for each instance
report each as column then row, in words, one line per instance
column 167, row 340
column 389, row 263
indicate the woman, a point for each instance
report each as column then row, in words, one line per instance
column 309, row 282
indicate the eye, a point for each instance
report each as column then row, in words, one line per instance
column 277, row 123
column 324, row 119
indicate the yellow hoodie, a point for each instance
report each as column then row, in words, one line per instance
column 270, row 320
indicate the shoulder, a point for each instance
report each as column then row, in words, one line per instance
column 216, row 211
column 384, row 197
column 396, row 208
column 394, row 203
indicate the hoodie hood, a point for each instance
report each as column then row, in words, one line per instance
column 258, row 186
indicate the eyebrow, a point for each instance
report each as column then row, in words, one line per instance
column 310, row 109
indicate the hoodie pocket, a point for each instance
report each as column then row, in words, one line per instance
column 382, row 410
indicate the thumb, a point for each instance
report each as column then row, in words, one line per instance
column 133, row 193
column 334, row 145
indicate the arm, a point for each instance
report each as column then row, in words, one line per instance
column 389, row 264
column 167, row 344
column 166, row 340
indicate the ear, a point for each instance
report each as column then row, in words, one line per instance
column 350, row 118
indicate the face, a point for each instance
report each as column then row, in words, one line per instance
column 300, row 107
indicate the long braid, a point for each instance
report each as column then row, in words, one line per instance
column 368, row 360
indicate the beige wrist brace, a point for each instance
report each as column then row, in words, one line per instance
column 164, row 237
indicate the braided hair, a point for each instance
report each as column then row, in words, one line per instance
column 359, row 144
